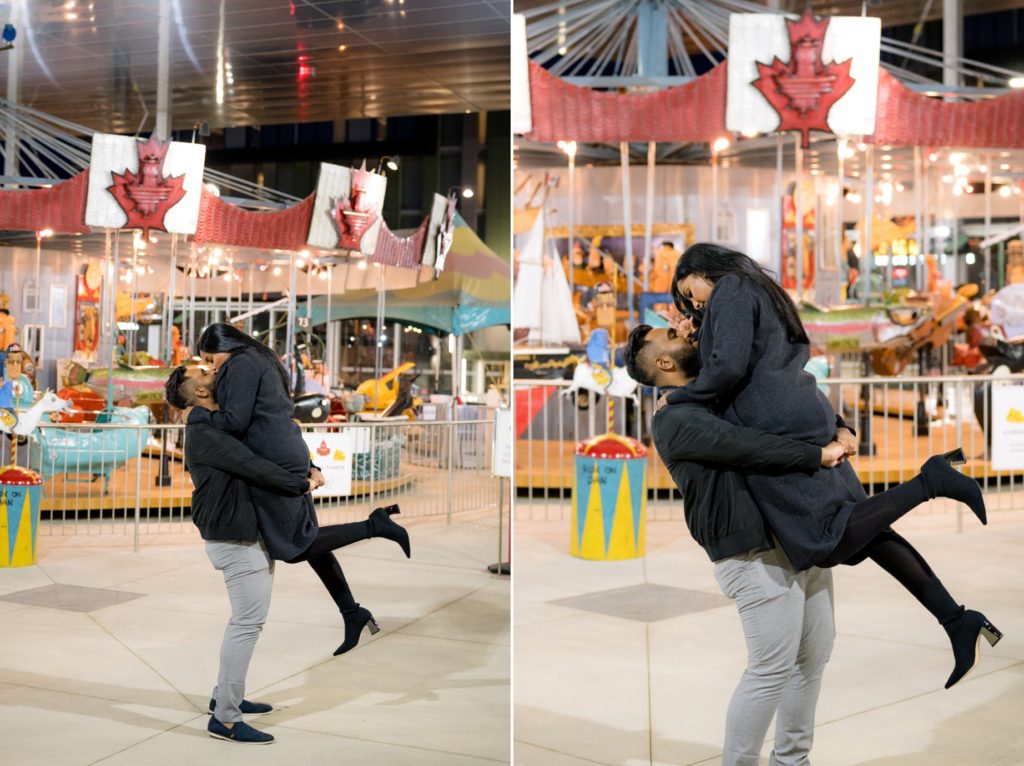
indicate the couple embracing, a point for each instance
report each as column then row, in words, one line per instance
column 760, row 457
column 252, row 477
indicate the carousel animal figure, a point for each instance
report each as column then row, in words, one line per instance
column 597, row 375
column 25, row 424
column 381, row 394
column 97, row 452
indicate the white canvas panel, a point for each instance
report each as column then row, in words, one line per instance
column 334, row 184
column 117, row 154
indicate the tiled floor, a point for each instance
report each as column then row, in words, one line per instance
column 108, row 656
column 597, row 684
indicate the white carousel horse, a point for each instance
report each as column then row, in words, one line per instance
column 26, row 423
column 596, row 378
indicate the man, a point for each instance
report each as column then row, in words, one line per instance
column 787, row 616
column 222, row 468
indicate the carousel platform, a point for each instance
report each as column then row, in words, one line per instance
column 138, row 478
column 898, row 454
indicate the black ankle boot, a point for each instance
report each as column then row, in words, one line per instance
column 381, row 525
column 354, row 624
column 942, row 480
column 965, row 631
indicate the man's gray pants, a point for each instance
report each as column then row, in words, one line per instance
column 249, row 576
column 789, row 625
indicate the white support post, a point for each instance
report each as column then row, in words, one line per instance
column 14, row 60
column 867, row 254
column 988, row 223
column 163, row 70
column 952, row 42
column 572, row 217
column 627, row 214
column 293, row 287
column 649, row 222
column 799, row 208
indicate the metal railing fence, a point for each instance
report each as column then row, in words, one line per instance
column 900, row 422
column 131, row 479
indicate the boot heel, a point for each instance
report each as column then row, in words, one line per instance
column 375, row 628
column 991, row 633
column 392, row 510
column 955, row 456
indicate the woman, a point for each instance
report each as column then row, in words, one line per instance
column 753, row 349
column 252, row 393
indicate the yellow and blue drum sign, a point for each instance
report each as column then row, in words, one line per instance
column 609, row 499
column 19, row 516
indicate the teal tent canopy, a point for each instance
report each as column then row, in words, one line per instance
column 473, row 291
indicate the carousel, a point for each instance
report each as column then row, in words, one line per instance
column 888, row 205
column 157, row 247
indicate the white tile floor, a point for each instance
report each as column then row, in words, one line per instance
column 596, row 689
column 129, row 684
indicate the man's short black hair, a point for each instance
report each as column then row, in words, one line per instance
column 639, row 365
column 178, row 388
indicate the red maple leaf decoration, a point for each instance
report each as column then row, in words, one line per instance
column 145, row 198
column 354, row 215
column 803, row 91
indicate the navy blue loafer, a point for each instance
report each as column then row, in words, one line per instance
column 240, row 732
column 247, row 708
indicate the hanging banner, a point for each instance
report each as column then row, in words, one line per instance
column 1007, row 427
column 148, row 185
column 810, row 74
column 522, row 117
column 347, row 212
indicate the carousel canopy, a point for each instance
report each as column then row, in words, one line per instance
column 471, row 293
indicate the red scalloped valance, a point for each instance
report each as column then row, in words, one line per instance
column 691, row 112
column 405, row 252
column 222, row 223
column 907, row 118
column 61, row 207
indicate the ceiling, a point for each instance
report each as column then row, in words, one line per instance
column 94, row 62
column 894, row 13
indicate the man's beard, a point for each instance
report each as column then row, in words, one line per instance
column 686, row 360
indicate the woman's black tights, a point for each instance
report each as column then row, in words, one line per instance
column 868, row 535
column 321, row 558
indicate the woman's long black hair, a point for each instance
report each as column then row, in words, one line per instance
column 714, row 262
column 220, row 337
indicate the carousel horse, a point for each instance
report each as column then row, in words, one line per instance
column 597, row 375
column 24, row 426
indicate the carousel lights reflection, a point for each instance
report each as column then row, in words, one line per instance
column 933, row 157
column 1005, row 191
